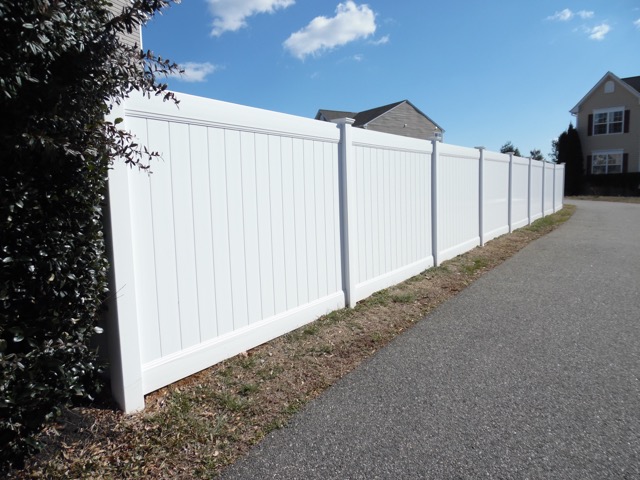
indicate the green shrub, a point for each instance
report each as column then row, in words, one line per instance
column 62, row 66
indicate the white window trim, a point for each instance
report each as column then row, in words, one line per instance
column 607, row 152
column 607, row 111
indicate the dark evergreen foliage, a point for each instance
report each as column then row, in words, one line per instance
column 62, row 67
column 569, row 152
column 509, row 147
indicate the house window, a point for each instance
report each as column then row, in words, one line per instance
column 607, row 162
column 608, row 121
column 609, row 87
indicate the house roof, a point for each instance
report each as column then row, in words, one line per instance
column 362, row 118
column 632, row 84
column 329, row 115
column 367, row 116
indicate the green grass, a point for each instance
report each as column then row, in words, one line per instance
column 557, row 218
column 475, row 265
column 403, row 298
column 230, row 402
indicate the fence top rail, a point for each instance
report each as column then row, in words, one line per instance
column 373, row 139
column 218, row 114
column 537, row 164
column 448, row 150
column 520, row 161
column 497, row 157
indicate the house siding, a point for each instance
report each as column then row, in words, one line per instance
column 393, row 121
column 133, row 38
column 629, row 142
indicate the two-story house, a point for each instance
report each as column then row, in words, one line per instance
column 399, row 118
column 608, row 124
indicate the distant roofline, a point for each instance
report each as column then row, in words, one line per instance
column 365, row 117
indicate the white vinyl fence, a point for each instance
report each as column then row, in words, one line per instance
column 255, row 223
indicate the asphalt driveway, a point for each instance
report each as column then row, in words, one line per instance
column 531, row 372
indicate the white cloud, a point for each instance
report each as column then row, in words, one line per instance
column 350, row 23
column 195, row 72
column 358, row 57
column 637, row 24
column 562, row 16
column 381, row 41
column 599, row 31
column 566, row 15
column 231, row 15
column 584, row 14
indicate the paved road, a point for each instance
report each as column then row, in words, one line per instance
column 532, row 372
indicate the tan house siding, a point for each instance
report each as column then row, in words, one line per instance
column 403, row 120
column 133, row 38
column 598, row 99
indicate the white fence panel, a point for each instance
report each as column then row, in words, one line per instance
column 536, row 190
column 236, row 234
column 549, row 188
column 559, row 185
column 458, row 201
column 392, row 178
column 495, row 195
column 519, row 193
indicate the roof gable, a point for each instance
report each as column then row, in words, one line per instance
column 362, row 118
column 628, row 84
column 367, row 116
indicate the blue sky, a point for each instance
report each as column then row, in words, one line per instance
column 486, row 71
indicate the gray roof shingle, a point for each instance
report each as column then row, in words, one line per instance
column 633, row 82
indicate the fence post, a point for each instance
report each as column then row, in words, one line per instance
column 122, row 326
column 543, row 186
column 510, row 203
column 434, row 201
column 529, row 194
column 481, row 195
column 347, row 209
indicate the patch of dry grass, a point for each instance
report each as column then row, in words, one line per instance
column 196, row 427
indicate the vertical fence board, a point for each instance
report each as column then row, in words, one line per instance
column 144, row 250
column 331, row 220
column 235, row 216
column 164, row 235
column 263, row 200
column 302, row 273
column 289, row 225
column 220, row 227
column 310, row 220
column 277, row 224
column 202, row 230
column 180, row 166
column 250, row 227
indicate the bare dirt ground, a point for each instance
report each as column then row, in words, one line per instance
column 196, row 427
